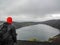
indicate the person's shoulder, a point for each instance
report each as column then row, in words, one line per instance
column 12, row 25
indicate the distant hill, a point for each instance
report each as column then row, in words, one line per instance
column 53, row 23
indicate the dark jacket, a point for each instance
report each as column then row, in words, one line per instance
column 12, row 38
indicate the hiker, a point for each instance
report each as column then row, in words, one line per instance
column 7, row 33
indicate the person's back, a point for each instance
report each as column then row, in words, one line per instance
column 12, row 32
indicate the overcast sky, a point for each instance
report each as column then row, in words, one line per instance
column 30, row 10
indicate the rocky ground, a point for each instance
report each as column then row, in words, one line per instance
column 35, row 43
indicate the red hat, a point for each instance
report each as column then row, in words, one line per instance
column 9, row 20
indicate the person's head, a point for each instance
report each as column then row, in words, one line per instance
column 9, row 20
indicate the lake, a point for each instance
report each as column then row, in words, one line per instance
column 41, row 32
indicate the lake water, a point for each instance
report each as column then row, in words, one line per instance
column 41, row 32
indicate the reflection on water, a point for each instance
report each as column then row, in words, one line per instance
column 41, row 32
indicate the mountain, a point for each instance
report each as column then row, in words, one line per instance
column 54, row 23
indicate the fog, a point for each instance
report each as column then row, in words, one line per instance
column 41, row 32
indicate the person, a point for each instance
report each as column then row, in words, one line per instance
column 11, row 39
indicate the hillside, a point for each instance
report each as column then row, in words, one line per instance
column 53, row 23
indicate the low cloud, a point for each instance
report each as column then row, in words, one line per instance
column 31, row 9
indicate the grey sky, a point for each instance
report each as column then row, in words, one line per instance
column 28, row 8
